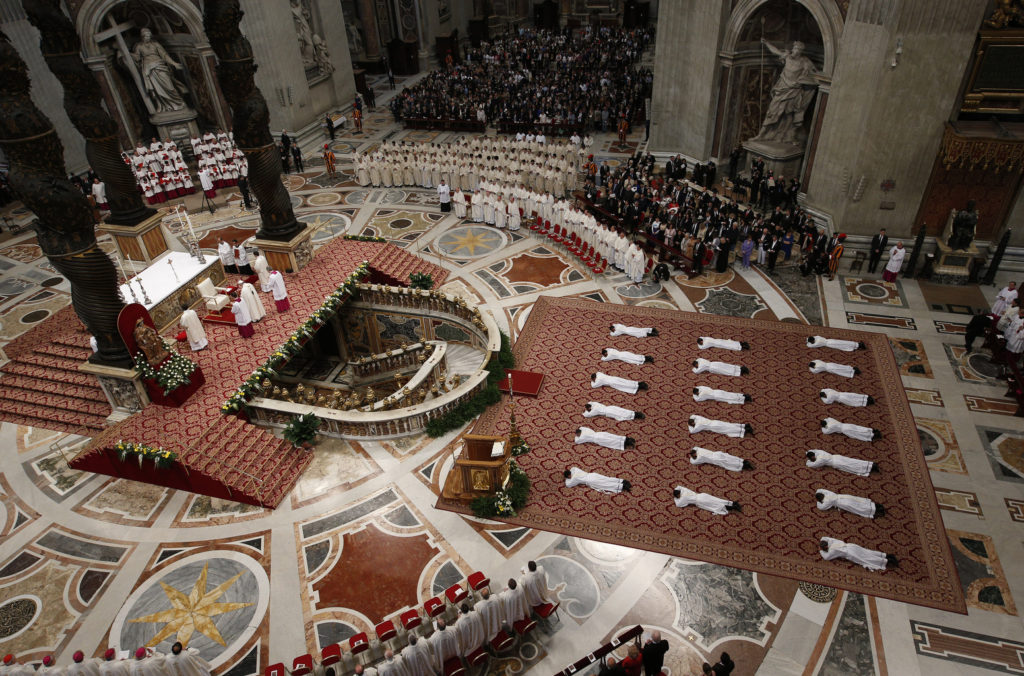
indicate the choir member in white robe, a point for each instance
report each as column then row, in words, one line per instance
column 375, row 173
column 705, row 343
column 702, row 393
column 153, row 665
column 193, row 329
column 585, row 435
column 636, row 332
column 535, row 583
column 206, row 182
column 599, row 482
column 477, row 207
column 111, row 666
column 470, row 630
column 241, row 258
column 392, row 665
column 818, row 366
column 81, row 666
column 262, row 270
column 513, row 603
column 859, row 432
column 500, row 213
column 242, row 318
column 635, row 263
column 488, row 204
column 614, row 412
column 611, row 354
column 514, row 217
column 819, row 458
column 227, row 256
column 871, row 559
column 849, row 503
column 459, row 204
column 1004, row 298
column 99, row 194
column 490, row 614
column 895, row 264
column 50, row 668
column 253, row 302
column 418, row 658
column 697, row 424
column 830, row 396
column 621, row 247
column 719, row 368
column 684, row 497
column 280, row 292
column 186, row 662
column 835, row 343
column 704, row 456
column 363, row 171
column 600, row 379
column 444, row 643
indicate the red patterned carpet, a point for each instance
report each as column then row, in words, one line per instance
column 779, row 528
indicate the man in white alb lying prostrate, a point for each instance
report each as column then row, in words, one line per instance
column 684, row 497
column 871, row 559
column 599, row 482
column 623, row 330
column 719, row 368
column 829, row 396
column 699, row 423
column 585, row 435
column 818, row 366
column 859, row 432
column 611, row 354
column 706, row 342
column 600, row 379
column 835, row 343
column 819, row 458
column 848, row 503
column 614, row 412
column 703, row 456
column 701, row 393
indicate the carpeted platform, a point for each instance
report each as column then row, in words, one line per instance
column 778, row 531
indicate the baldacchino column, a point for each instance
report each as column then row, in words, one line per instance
column 284, row 240
column 64, row 225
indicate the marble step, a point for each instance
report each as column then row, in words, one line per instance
column 463, row 359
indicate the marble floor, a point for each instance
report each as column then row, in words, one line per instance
column 88, row 562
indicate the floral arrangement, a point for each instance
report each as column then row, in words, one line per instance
column 160, row 457
column 175, row 372
column 421, row 280
column 252, row 385
column 301, row 429
column 505, row 502
column 522, row 448
column 364, row 238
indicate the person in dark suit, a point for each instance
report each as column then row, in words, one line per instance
column 297, row 157
column 724, row 666
column 699, row 251
column 878, row 244
column 612, row 668
column 653, row 654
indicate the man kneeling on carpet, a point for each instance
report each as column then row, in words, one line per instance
column 611, row 354
column 600, row 379
column 636, row 332
column 574, row 476
column 683, row 497
column 615, row 412
column 848, row 503
column 871, row 559
column 585, row 435
column 698, row 423
column 703, row 456
column 833, row 426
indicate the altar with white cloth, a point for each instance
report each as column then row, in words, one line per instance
column 169, row 281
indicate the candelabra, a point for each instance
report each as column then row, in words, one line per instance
column 145, row 296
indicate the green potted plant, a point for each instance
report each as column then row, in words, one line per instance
column 301, row 430
column 421, row 280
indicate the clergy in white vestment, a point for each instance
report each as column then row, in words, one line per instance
column 470, row 630
column 488, row 204
column 705, row 343
column 872, row 559
column 697, row 424
column 848, row 503
column 50, row 668
column 830, row 396
column 621, row 247
column 859, row 432
column 635, row 263
column 242, row 318
column 818, row 366
column 81, row 666
column 574, row 476
column 585, row 435
column 227, row 256
column 206, row 181
column 194, row 330
column 611, row 354
column 514, row 217
column 418, row 658
column 392, row 665
column 636, row 332
column 719, row 368
column 835, row 343
column 253, row 302
column 895, row 264
column 702, row 393
column 513, row 603
column 111, row 666
column 684, row 497
column 262, row 270
column 614, row 412
column 363, row 171
column 600, row 379
column 477, row 206
column 704, row 456
column 444, row 643
column 277, row 288
column 1004, row 298
column 819, row 458
column 188, row 662
column 490, row 614
column 147, row 662
column 14, row 668
column 535, row 583
column 459, row 204
column 500, row 213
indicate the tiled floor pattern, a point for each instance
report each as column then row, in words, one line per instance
column 358, row 541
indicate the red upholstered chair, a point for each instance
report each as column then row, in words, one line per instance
column 476, row 658
column 456, row 594
column 600, row 265
column 546, row 610
column 536, row 225
column 358, row 644
column 302, row 665
column 453, row 667
column 330, row 655
column 477, row 581
column 275, row 670
column 502, row 642
column 410, row 620
column 555, row 234
column 385, row 631
column 524, row 626
column 433, row 607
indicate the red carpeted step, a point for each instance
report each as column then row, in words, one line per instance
column 50, row 418
column 34, row 366
column 74, row 353
column 47, row 423
column 78, row 391
column 54, row 399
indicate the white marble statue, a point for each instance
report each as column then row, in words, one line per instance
column 791, row 94
column 156, row 67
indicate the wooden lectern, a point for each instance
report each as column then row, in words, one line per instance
column 481, row 468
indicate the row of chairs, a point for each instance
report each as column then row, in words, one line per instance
column 572, row 242
column 412, row 622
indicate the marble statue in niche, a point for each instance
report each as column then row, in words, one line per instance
column 791, row 94
column 312, row 47
column 156, row 68
column 964, row 224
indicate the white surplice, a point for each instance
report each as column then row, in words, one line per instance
column 622, row 329
column 606, row 439
column 830, row 396
column 706, row 343
column 622, row 355
column 614, row 412
column 834, row 343
column 702, row 500
column 709, row 394
column 869, row 558
column 615, row 382
column 859, row 432
column 194, row 330
column 818, row 366
column 850, row 503
column 720, row 458
column 701, row 424
column 840, row 462
column 598, row 482
column 718, row 367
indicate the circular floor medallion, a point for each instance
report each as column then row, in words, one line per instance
column 817, row 592
column 17, row 615
column 869, row 290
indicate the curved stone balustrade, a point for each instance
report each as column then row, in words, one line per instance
column 392, row 360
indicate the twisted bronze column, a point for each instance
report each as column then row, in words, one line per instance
column 62, row 48
column 64, row 225
column 251, row 119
